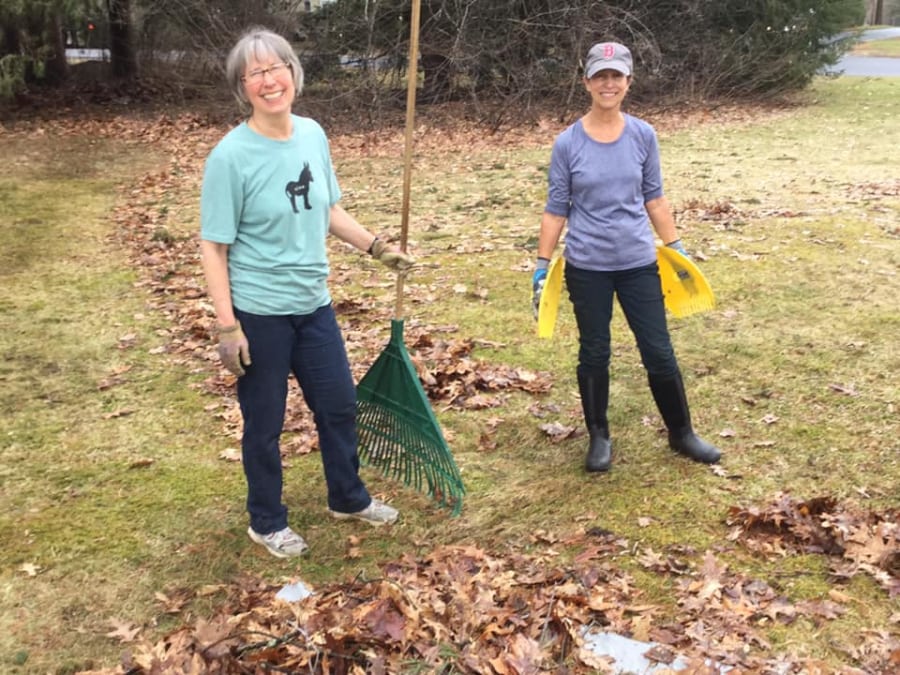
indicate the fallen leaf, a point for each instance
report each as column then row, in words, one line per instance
column 230, row 455
column 122, row 412
column 140, row 463
column 838, row 596
column 30, row 569
column 123, row 631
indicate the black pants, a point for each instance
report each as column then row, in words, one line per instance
column 312, row 348
column 640, row 296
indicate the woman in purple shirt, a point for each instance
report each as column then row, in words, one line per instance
column 605, row 184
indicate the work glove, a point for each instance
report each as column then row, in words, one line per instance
column 234, row 350
column 391, row 257
column 538, row 279
column 678, row 246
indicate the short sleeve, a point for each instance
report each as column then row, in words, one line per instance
column 221, row 199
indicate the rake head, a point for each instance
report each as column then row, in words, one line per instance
column 549, row 305
column 685, row 290
column 397, row 429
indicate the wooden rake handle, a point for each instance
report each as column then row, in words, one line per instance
column 412, row 76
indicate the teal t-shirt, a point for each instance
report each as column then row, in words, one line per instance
column 270, row 202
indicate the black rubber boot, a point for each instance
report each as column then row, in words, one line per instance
column 672, row 403
column 594, row 388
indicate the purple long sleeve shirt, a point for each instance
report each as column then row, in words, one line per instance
column 602, row 189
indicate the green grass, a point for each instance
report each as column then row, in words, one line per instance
column 112, row 485
column 887, row 48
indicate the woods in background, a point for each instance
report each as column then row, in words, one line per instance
column 518, row 52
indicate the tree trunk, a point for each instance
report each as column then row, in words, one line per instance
column 57, row 66
column 437, row 79
column 121, row 48
column 437, row 75
column 11, row 43
column 874, row 12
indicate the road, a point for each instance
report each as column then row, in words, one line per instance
column 866, row 66
column 870, row 66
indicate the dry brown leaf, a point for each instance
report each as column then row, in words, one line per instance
column 123, row 631
column 29, row 569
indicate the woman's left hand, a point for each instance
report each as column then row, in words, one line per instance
column 678, row 246
column 391, row 257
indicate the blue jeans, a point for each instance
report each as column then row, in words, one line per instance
column 312, row 348
column 640, row 296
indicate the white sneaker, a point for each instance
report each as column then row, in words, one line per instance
column 377, row 513
column 282, row 544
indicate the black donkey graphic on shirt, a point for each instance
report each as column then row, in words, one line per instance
column 300, row 188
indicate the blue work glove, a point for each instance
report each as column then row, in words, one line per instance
column 678, row 246
column 537, row 284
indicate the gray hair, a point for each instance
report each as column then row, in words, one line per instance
column 258, row 43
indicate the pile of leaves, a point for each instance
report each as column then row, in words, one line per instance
column 855, row 540
column 465, row 610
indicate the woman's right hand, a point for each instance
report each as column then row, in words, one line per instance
column 537, row 287
column 234, row 349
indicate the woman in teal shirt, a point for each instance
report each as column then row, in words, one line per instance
column 268, row 202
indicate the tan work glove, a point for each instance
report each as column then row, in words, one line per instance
column 391, row 257
column 234, row 349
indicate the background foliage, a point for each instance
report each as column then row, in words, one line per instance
column 513, row 52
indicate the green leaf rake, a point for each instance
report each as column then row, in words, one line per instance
column 397, row 429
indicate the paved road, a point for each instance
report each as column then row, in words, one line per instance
column 870, row 66
column 867, row 66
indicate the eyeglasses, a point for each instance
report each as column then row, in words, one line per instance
column 258, row 75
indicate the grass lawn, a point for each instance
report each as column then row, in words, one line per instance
column 889, row 48
column 117, row 490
